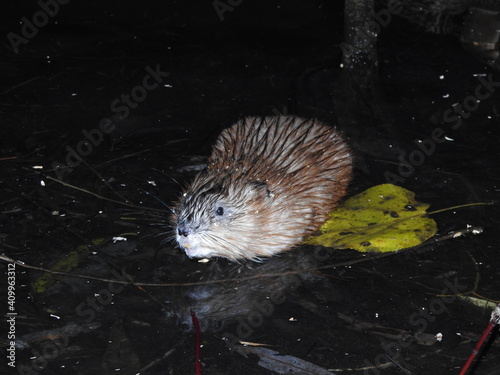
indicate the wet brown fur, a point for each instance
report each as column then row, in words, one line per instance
column 277, row 179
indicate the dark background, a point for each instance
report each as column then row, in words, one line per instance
column 262, row 58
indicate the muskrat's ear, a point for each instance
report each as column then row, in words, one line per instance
column 260, row 189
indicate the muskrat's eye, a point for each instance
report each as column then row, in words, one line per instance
column 219, row 211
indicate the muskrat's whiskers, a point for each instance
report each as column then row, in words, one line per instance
column 158, row 199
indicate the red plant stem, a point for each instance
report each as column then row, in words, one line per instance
column 495, row 319
column 197, row 361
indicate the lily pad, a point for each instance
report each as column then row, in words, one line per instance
column 383, row 218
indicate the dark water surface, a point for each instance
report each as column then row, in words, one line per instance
column 131, row 95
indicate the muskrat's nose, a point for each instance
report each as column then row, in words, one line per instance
column 183, row 229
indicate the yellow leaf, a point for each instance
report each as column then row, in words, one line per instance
column 383, row 218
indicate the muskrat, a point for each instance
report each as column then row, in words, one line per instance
column 269, row 183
